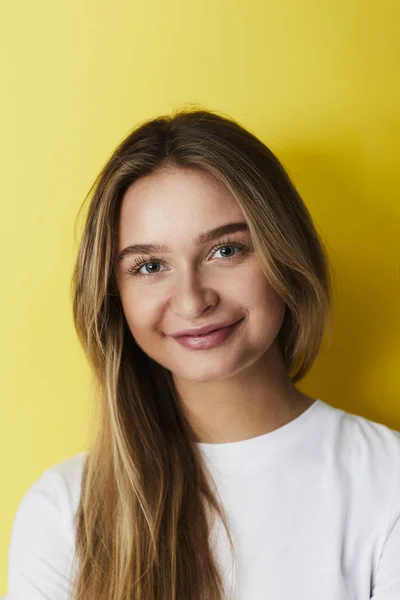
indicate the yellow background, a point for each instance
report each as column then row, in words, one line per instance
column 317, row 81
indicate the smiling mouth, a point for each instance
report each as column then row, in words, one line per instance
column 212, row 330
column 209, row 340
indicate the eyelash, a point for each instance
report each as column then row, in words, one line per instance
column 141, row 261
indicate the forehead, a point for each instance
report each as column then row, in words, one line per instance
column 170, row 203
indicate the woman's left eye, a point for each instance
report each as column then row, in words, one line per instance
column 218, row 249
column 140, row 262
column 243, row 248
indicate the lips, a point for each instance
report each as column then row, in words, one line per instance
column 200, row 331
column 211, row 339
column 205, row 333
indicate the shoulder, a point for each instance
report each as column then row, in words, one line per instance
column 364, row 456
column 59, row 487
column 43, row 535
column 65, row 479
column 361, row 439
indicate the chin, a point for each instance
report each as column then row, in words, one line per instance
column 207, row 372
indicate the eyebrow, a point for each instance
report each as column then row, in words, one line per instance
column 202, row 238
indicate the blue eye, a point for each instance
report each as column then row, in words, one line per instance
column 140, row 264
column 227, row 246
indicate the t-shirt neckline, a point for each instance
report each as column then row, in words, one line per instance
column 251, row 445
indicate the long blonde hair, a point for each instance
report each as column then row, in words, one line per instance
column 142, row 525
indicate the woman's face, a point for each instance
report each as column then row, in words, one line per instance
column 192, row 283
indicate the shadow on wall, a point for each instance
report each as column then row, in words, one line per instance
column 350, row 195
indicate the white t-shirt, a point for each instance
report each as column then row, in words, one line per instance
column 313, row 507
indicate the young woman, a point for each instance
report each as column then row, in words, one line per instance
column 201, row 294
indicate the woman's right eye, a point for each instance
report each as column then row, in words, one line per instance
column 139, row 264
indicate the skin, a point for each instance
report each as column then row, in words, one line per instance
column 240, row 389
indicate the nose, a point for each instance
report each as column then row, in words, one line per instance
column 191, row 296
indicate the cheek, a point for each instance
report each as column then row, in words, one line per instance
column 255, row 289
column 266, row 305
column 140, row 314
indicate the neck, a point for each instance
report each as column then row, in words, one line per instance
column 256, row 400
